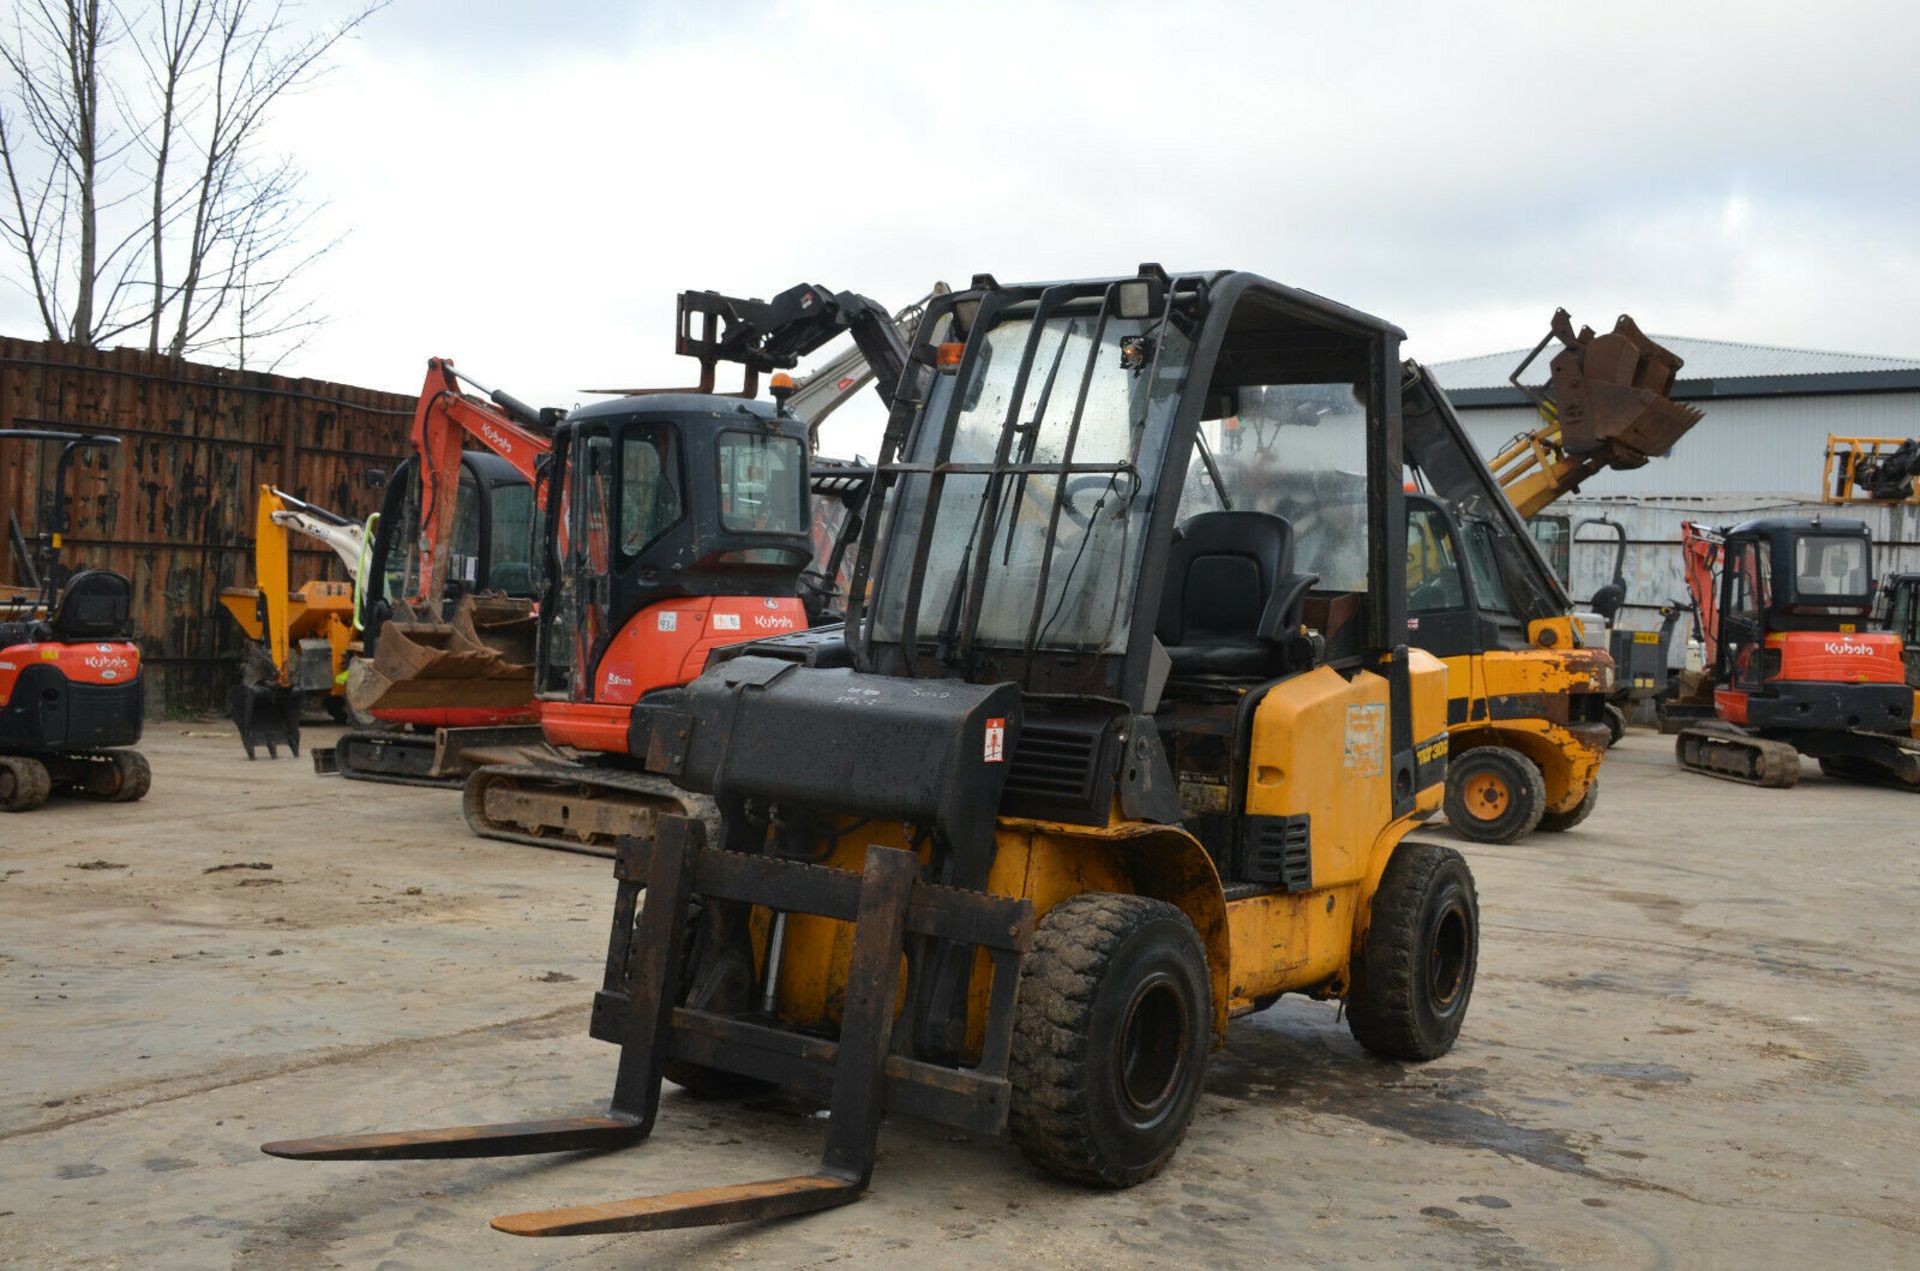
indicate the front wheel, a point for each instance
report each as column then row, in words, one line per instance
column 1110, row 1038
column 1494, row 795
column 1616, row 724
column 1414, row 976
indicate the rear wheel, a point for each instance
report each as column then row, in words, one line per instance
column 124, row 778
column 1616, row 724
column 1554, row 822
column 1414, row 976
column 1494, row 795
column 1110, row 1038
column 24, row 783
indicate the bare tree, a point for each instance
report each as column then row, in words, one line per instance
column 138, row 196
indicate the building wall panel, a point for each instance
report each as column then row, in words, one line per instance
column 172, row 506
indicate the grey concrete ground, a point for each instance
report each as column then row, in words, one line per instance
column 1692, row 1044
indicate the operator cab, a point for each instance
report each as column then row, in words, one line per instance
column 668, row 497
column 1147, row 502
column 492, row 545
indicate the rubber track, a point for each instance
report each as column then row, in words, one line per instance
column 572, row 779
column 341, row 748
column 1779, row 762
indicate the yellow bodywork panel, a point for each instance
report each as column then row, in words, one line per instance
column 1518, row 698
column 1321, row 746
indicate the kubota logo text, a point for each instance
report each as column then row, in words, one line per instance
column 1848, row 648
column 495, row 438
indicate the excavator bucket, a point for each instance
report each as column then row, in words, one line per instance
column 481, row 657
column 267, row 714
column 1610, row 393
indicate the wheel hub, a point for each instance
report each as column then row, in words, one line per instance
column 1487, row 796
column 1153, row 1046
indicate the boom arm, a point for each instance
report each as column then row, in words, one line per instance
column 1606, row 407
column 442, row 422
column 1701, row 548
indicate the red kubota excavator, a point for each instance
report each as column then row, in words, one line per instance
column 1784, row 606
column 684, row 523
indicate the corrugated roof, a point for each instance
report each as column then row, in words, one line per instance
column 1704, row 360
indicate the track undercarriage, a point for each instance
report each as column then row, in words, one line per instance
column 1772, row 759
column 111, row 776
column 573, row 807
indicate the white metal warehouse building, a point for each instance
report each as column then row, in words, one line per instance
column 1759, row 450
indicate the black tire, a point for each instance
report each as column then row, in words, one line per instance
column 25, row 783
column 1494, row 795
column 1110, row 1038
column 1557, row 822
column 124, row 778
column 1414, row 976
column 1616, row 724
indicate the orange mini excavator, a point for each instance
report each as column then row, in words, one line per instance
column 1785, row 605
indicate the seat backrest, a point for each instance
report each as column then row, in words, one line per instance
column 1221, row 570
column 96, row 605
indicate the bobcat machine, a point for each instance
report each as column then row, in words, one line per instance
column 1093, row 766
column 1785, row 605
column 71, row 696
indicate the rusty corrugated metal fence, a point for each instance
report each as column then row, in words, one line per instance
column 172, row 507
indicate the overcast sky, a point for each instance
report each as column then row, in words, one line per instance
column 527, row 185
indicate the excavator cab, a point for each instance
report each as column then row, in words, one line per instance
column 472, row 662
column 684, row 525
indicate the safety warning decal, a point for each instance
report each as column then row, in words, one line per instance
column 726, row 622
column 1365, row 751
column 997, row 739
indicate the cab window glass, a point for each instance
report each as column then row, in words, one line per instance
column 650, row 502
column 510, row 543
column 1300, row 452
column 1433, row 572
column 1830, row 566
column 1483, row 562
column 763, row 483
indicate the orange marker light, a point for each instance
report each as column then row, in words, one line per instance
column 947, row 356
column 781, row 382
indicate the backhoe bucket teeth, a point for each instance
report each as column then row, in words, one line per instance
column 267, row 715
column 482, row 657
column 1610, row 392
column 887, row 902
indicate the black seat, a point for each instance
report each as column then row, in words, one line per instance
column 95, row 606
column 1232, row 601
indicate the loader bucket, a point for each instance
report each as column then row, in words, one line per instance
column 481, row 657
column 1610, row 394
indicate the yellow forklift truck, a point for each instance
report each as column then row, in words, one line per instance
column 1094, row 765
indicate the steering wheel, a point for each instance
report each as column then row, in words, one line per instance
column 1074, row 485
column 820, row 586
